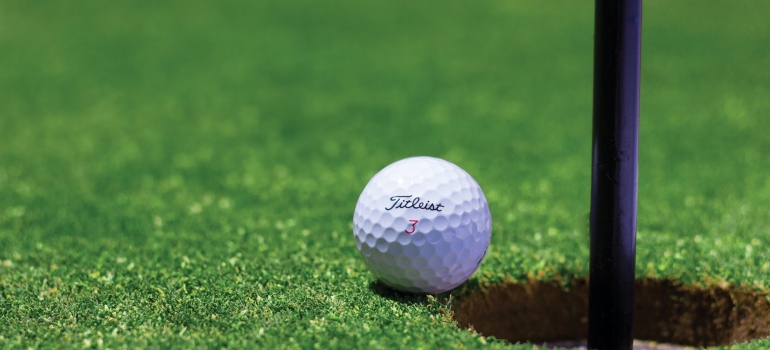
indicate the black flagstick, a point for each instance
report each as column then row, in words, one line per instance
column 617, row 61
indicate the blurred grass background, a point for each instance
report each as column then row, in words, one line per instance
column 183, row 174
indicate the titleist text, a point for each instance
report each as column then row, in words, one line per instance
column 407, row 202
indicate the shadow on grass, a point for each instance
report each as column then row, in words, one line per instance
column 384, row 291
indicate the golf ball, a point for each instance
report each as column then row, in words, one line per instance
column 422, row 225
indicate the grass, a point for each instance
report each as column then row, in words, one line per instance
column 183, row 174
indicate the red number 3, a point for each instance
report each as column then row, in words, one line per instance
column 412, row 227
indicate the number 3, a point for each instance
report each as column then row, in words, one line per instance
column 412, row 227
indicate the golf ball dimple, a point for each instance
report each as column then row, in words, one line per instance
column 422, row 225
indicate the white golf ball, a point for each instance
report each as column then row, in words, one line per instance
column 422, row 225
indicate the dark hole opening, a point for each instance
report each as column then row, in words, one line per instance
column 665, row 311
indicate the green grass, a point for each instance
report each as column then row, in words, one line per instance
column 183, row 173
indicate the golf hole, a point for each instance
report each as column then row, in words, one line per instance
column 665, row 312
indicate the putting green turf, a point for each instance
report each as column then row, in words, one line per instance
column 184, row 173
